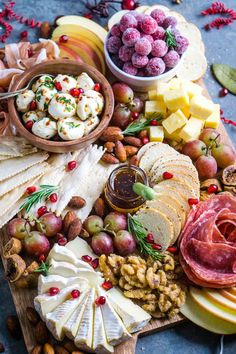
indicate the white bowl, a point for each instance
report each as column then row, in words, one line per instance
column 138, row 83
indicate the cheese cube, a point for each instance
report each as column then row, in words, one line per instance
column 154, row 107
column 162, row 87
column 174, row 83
column 192, row 88
column 185, row 111
column 156, row 133
column 152, row 95
column 192, row 129
column 174, row 121
column 214, row 120
column 201, row 107
column 174, row 136
column 176, row 99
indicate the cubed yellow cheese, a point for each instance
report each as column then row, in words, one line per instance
column 174, row 83
column 201, row 107
column 185, row 111
column 152, row 95
column 176, row 99
column 153, row 107
column 192, row 88
column 156, row 134
column 174, row 136
column 192, row 129
column 174, row 121
column 162, row 87
column 214, row 120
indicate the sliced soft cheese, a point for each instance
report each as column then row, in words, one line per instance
column 175, row 121
column 154, row 107
column 84, row 336
column 201, row 107
column 66, row 269
column 214, row 120
column 156, row 133
column 132, row 315
column 192, row 129
column 58, row 281
column 114, row 327
column 94, row 278
column 62, row 254
column 80, row 248
column 100, row 344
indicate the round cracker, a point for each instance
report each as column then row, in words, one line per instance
column 193, row 66
column 154, row 7
column 189, row 30
column 116, row 18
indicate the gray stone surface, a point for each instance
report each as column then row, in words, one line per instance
column 220, row 48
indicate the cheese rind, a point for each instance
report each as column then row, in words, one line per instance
column 58, row 281
column 100, row 344
column 175, row 121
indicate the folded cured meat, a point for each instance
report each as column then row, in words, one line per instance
column 208, row 243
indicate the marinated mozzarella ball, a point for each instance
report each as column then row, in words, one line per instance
column 24, row 99
column 45, row 128
column 30, row 116
column 67, row 82
column 62, row 105
column 70, row 128
column 44, row 79
column 90, row 124
column 87, row 107
column 43, row 96
column 85, row 82
column 98, row 97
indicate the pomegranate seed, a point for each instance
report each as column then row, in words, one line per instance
column 31, row 189
column 53, row 291
column 86, row 258
column 221, row 112
column 58, row 86
column 24, row 34
column 29, row 125
column 157, row 247
column 145, row 141
column 53, row 197
column 95, row 263
column 72, row 165
column 150, row 238
column 101, row 300
column 212, row 189
column 128, row 5
column 42, row 258
column 58, row 236
column 75, row 92
column 154, row 123
column 172, row 249
column 33, row 105
column 75, row 293
column 107, row 285
column 89, row 15
column 64, row 38
column 62, row 241
column 97, row 87
column 134, row 115
column 30, row 52
column 167, row 175
column 223, row 92
column 193, row 201
column 42, row 210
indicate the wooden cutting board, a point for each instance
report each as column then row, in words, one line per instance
column 24, row 297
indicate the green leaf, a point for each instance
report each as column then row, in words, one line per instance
column 226, row 75
column 43, row 268
column 170, row 38
column 141, row 123
column 43, row 193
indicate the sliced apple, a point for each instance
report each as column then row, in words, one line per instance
column 215, row 296
column 84, row 22
column 204, row 319
column 69, row 53
column 216, row 309
column 228, row 295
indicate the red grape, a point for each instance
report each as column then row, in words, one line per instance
column 93, row 224
column 206, row 166
column 124, row 243
column 136, row 105
column 224, row 155
column 36, row 243
column 121, row 116
column 210, row 137
column 49, row 224
column 18, row 228
column 122, row 92
column 102, row 243
column 115, row 221
column 194, row 149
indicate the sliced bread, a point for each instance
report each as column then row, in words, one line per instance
column 186, row 190
column 174, row 203
column 171, row 192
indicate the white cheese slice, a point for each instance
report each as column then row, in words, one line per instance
column 100, row 344
column 58, row 281
column 114, row 328
column 94, row 278
column 67, row 269
column 62, row 254
column 80, row 248
column 84, row 336
column 132, row 315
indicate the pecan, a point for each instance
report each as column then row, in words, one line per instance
column 112, row 134
column 15, row 267
column 13, row 246
column 120, row 151
column 13, row 326
column 99, row 207
column 131, row 150
column 32, row 315
column 77, row 202
column 69, row 217
column 48, row 349
column 41, row 333
column 133, row 160
column 74, row 229
column 109, row 145
column 132, row 140
column 109, row 159
column 37, row 349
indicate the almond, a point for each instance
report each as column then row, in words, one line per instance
column 41, row 333
column 74, row 229
column 132, row 140
column 48, row 349
column 120, row 151
column 109, row 159
column 69, row 217
column 77, row 202
column 99, row 207
column 112, row 134
column 109, row 145
column 131, row 150
column 37, row 349
column 143, row 134
column 60, row 350
column 13, row 326
column 32, row 315
column 133, row 160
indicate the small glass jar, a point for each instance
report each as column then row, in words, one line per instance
column 119, row 189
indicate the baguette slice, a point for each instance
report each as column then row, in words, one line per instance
column 172, row 192
column 175, row 203
column 185, row 189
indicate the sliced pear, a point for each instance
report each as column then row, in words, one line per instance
column 113, row 20
column 215, row 296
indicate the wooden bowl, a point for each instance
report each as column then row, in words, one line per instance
column 54, row 67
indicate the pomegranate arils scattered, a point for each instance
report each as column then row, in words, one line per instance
column 97, row 87
column 212, row 189
column 223, row 92
column 63, row 39
column 167, row 175
column 24, row 34
column 30, row 52
column 145, row 140
column 101, row 300
column 76, row 92
column 58, row 86
column 54, row 291
column 75, row 293
column 53, row 198
column 42, row 258
column 172, row 249
column 154, row 123
column 33, row 105
column 29, row 125
column 107, row 285
column 95, row 263
column 31, row 189
column 62, row 241
column 193, row 201
column 42, row 210
column 134, row 115
column 86, row 258
column 128, row 5
column 150, row 238
column 89, row 15
column 72, row 165
column 157, row 247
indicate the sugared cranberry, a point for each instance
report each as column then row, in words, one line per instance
column 72, row 165
column 86, row 258
column 42, row 210
column 145, row 140
column 154, row 123
column 29, row 125
column 75, row 293
column 95, row 263
column 58, row 86
column 63, row 39
column 223, row 92
column 62, row 241
column 107, row 285
column 172, row 249
column 33, row 105
column 212, row 189
column 150, row 238
column 134, row 115
column 167, row 175
column 31, row 189
column 193, row 201
column 101, row 300
column 157, row 247
column 54, row 291
column 76, row 92
column 97, row 87
column 53, row 198
column 42, row 258
column 128, row 5
column 24, row 34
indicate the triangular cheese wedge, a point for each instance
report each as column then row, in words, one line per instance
column 66, row 269
column 58, row 281
column 80, row 248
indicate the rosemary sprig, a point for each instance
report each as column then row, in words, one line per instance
column 43, row 193
column 141, row 123
column 43, row 268
column 170, row 38
column 136, row 228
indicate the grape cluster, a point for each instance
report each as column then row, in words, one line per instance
column 138, row 43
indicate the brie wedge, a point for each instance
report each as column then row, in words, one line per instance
column 66, row 269
column 80, row 248
column 45, row 283
column 100, row 344
column 62, row 254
